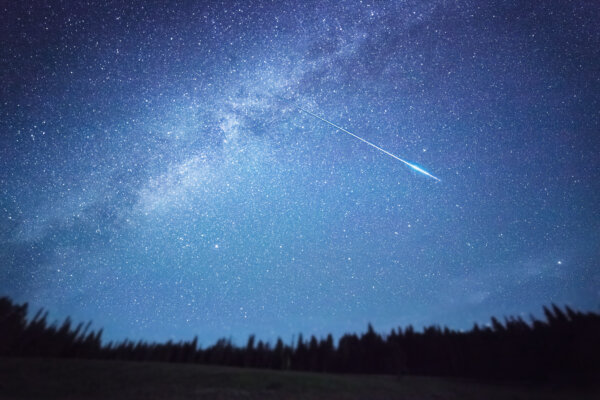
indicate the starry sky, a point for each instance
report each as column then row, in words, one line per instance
column 158, row 178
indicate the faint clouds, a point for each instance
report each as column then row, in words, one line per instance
column 477, row 297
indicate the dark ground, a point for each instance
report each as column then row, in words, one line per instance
column 82, row 379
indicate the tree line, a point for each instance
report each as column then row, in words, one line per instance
column 565, row 345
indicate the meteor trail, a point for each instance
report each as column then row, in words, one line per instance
column 421, row 170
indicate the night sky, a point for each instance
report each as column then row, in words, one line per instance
column 158, row 178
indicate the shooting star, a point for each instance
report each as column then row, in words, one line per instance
column 416, row 168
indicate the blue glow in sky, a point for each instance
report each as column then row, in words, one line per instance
column 157, row 178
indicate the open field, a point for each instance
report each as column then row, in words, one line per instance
column 82, row 379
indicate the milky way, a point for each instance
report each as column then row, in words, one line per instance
column 154, row 180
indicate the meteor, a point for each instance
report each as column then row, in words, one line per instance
column 416, row 168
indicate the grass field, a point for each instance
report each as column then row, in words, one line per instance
column 82, row 379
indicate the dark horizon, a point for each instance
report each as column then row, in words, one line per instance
column 561, row 349
column 236, row 340
column 528, row 319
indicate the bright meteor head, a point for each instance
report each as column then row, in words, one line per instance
column 421, row 170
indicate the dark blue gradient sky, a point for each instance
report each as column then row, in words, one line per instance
column 157, row 178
